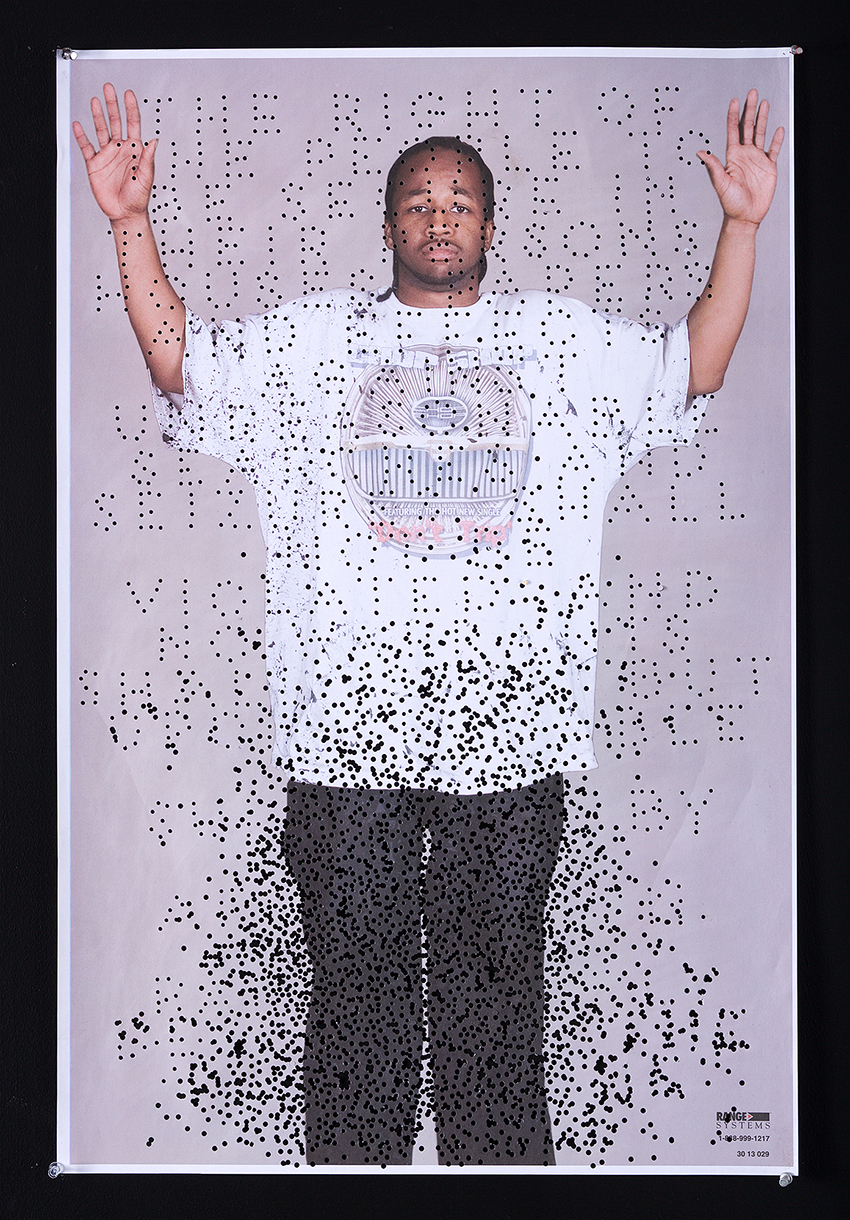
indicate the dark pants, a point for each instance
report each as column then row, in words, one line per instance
column 366, row 878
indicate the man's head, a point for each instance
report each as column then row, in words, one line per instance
column 438, row 221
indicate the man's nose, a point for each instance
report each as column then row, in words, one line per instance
column 438, row 221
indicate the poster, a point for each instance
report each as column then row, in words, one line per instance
column 669, row 1038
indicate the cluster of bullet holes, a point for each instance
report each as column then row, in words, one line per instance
column 615, row 1043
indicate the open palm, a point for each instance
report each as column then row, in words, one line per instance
column 745, row 185
column 121, row 170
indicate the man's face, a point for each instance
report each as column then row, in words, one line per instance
column 438, row 229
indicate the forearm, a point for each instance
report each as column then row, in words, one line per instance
column 156, row 313
column 716, row 320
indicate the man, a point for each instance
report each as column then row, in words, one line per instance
column 431, row 467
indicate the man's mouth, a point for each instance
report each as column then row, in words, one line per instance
column 439, row 251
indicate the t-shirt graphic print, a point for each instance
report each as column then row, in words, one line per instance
column 435, row 448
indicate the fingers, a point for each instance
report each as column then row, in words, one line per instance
column 761, row 123
column 111, row 129
column 740, row 130
column 708, row 159
column 146, row 160
column 752, row 128
column 113, row 110
column 134, row 121
column 749, row 116
column 733, row 115
column 83, row 141
column 716, row 169
column 776, row 143
column 101, row 130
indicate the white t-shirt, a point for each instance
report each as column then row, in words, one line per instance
column 431, row 487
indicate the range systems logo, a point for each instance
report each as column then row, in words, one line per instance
column 734, row 1117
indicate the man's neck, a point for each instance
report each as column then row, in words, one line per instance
column 418, row 296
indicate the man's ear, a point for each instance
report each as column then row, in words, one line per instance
column 489, row 230
column 389, row 241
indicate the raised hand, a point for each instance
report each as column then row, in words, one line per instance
column 746, row 184
column 121, row 171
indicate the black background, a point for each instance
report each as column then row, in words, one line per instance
column 28, row 1047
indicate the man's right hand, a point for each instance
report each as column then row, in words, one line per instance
column 121, row 171
column 121, row 177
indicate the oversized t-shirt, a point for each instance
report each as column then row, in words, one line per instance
column 431, row 486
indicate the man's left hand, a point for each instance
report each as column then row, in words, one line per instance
column 746, row 184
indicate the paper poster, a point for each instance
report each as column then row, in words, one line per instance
column 414, row 555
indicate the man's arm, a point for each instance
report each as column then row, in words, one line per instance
column 121, row 176
column 745, row 188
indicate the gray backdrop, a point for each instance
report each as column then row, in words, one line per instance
column 671, row 938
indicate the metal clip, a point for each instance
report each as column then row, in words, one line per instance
column 55, row 1170
column 785, row 1179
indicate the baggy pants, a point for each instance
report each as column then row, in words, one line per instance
column 366, row 880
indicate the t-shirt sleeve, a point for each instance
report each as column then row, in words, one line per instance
column 226, row 390
column 642, row 387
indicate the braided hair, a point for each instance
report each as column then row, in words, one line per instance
column 431, row 145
